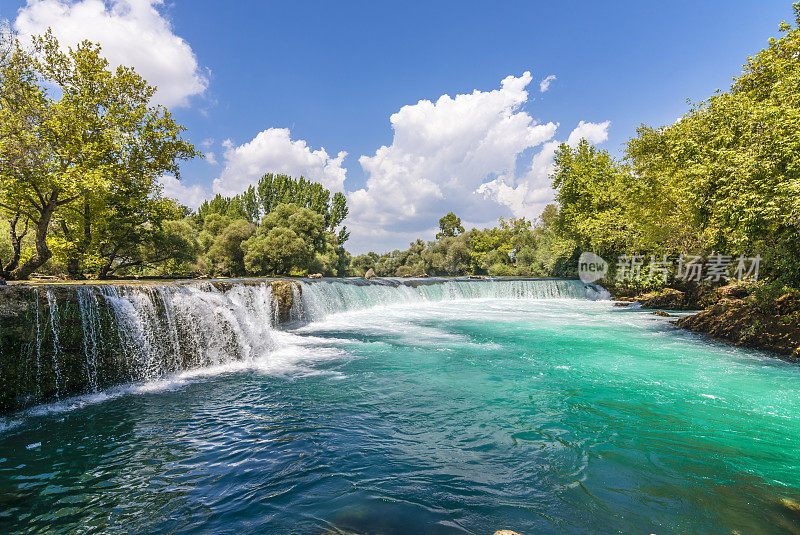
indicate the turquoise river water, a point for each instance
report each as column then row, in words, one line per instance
column 391, row 412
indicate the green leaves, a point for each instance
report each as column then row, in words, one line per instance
column 726, row 176
column 82, row 150
column 449, row 226
column 590, row 188
column 287, row 240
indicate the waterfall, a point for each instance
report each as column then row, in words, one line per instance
column 38, row 341
column 52, row 304
column 174, row 327
column 327, row 297
column 91, row 337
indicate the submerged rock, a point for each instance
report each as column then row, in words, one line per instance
column 662, row 314
column 791, row 506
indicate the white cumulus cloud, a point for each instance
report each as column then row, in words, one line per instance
column 132, row 33
column 191, row 196
column 544, row 85
column 441, row 154
column 527, row 195
column 591, row 132
column 274, row 151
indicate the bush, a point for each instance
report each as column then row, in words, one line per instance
column 501, row 270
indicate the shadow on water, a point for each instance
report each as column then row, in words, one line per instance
column 376, row 517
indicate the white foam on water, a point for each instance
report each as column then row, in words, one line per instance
column 323, row 298
column 171, row 335
column 287, row 361
column 294, row 356
column 6, row 424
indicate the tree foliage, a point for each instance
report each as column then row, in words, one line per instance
column 727, row 175
column 286, row 237
column 80, row 145
column 82, row 148
column 287, row 240
column 449, row 226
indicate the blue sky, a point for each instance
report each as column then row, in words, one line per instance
column 267, row 86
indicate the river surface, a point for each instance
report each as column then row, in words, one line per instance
column 455, row 416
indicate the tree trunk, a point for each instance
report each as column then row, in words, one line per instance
column 104, row 270
column 43, row 253
column 16, row 245
column 74, row 269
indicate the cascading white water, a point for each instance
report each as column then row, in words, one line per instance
column 38, row 342
column 92, row 334
column 143, row 333
column 322, row 298
column 173, row 327
column 55, row 326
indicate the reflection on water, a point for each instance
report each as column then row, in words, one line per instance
column 542, row 416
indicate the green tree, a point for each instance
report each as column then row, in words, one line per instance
column 726, row 177
column 590, row 187
column 364, row 262
column 242, row 206
column 226, row 254
column 448, row 256
column 274, row 190
column 63, row 157
column 449, row 226
column 142, row 233
column 287, row 240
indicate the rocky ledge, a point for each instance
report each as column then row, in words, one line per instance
column 60, row 340
column 738, row 313
column 745, row 322
column 680, row 297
